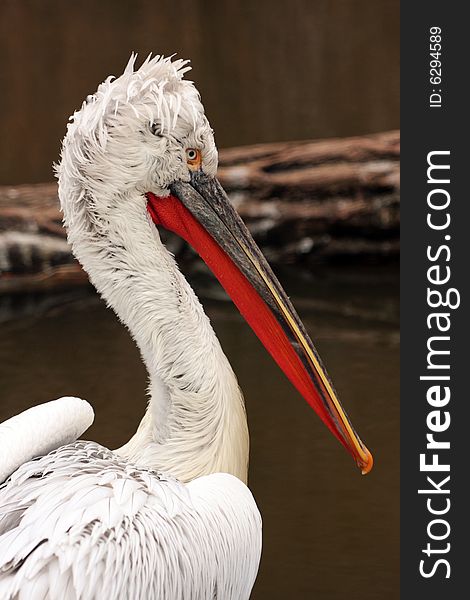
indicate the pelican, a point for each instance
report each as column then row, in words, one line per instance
column 168, row 515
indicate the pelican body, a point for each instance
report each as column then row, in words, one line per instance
column 167, row 516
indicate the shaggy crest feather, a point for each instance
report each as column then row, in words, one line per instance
column 157, row 83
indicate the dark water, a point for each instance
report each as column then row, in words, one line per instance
column 268, row 70
column 329, row 533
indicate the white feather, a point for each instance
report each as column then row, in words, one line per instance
column 40, row 429
column 199, row 540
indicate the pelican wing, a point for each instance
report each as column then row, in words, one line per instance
column 82, row 522
column 40, row 429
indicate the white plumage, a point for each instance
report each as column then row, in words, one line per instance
column 83, row 522
column 195, row 423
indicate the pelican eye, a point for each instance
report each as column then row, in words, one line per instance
column 193, row 158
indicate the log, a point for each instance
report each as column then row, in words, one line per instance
column 304, row 202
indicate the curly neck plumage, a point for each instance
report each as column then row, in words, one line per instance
column 195, row 422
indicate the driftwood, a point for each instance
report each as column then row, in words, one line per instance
column 308, row 201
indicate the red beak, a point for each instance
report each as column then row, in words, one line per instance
column 201, row 213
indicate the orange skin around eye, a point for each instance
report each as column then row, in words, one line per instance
column 194, row 163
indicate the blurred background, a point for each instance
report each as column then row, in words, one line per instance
column 268, row 71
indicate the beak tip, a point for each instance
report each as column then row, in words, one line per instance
column 367, row 463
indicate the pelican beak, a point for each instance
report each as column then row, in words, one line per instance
column 201, row 213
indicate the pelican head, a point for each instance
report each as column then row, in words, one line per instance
column 139, row 153
column 140, row 131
